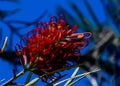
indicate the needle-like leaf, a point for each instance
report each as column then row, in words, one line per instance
column 33, row 82
column 80, row 75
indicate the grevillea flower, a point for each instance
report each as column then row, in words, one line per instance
column 52, row 45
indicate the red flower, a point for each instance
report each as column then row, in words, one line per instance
column 52, row 45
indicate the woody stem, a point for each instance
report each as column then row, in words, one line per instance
column 15, row 77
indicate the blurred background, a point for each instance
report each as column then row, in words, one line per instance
column 101, row 17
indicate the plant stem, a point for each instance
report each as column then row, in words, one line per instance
column 13, row 78
column 28, row 77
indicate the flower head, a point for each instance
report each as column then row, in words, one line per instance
column 52, row 45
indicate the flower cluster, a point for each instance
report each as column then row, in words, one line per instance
column 52, row 45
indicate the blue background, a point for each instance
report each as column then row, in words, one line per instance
column 22, row 15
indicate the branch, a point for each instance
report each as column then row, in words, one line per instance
column 13, row 78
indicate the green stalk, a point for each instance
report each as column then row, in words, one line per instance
column 28, row 77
